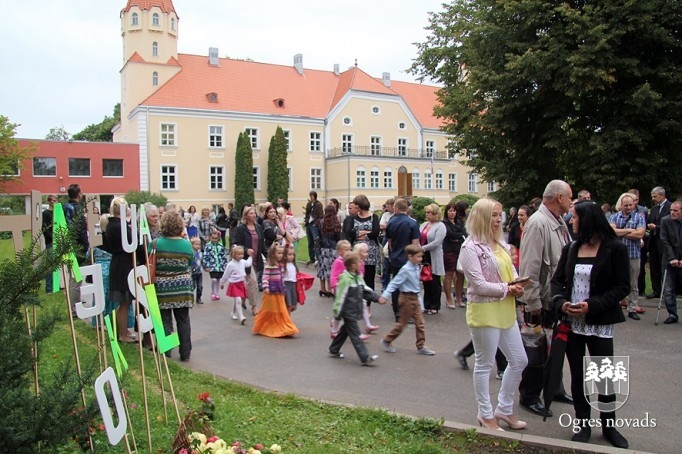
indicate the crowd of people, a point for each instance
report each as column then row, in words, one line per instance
column 579, row 264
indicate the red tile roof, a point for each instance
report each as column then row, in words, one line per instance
column 136, row 58
column 251, row 87
column 145, row 5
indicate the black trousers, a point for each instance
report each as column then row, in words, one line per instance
column 181, row 315
column 349, row 329
column 432, row 292
column 575, row 351
column 655, row 270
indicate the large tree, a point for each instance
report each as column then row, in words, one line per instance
column 243, row 167
column 585, row 91
column 278, row 175
column 101, row 132
column 12, row 154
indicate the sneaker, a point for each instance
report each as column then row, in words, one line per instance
column 388, row 346
column 200, row 302
column 234, row 316
column 425, row 351
column 364, row 337
column 371, row 329
column 370, row 359
column 243, row 320
column 500, row 374
column 337, row 355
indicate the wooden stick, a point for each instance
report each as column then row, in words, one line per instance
column 170, row 385
column 140, row 349
column 73, row 339
column 130, row 423
column 35, row 347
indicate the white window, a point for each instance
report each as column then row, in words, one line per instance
column 215, row 137
column 427, row 179
column 415, row 179
column 315, row 179
column 374, row 178
column 155, row 19
column 360, row 177
column 388, row 178
column 491, row 186
column 173, row 23
column 256, row 178
column 168, row 134
column 347, row 143
column 348, row 121
column 452, row 182
column 402, row 146
column 155, row 78
column 376, row 110
column 44, row 167
column 291, row 186
column 430, row 148
column 402, row 125
column 135, row 20
column 439, row 179
column 252, row 134
column 315, row 141
column 375, row 146
column 169, row 178
column 112, row 167
column 473, row 182
column 155, row 49
column 79, row 167
column 287, row 137
column 216, row 178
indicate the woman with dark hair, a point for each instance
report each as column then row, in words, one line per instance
column 516, row 231
column 455, row 233
column 590, row 280
column 222, row 223
column 339, row 212
column 366, row 230
column 273, row 231
column 330, row 234
column 174, row 285
column 249, row 235
column 192, row 221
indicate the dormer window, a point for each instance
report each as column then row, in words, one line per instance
column 347, row 121
column 155, row 20
column 134, row 20
column 155, row 49
column 401, row 125
column 155, row 78
column 212, row 97
column 173, row 23
column 279, row 102
column 376, row 110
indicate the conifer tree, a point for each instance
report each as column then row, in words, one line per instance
column 243, row 166
column 278, row 174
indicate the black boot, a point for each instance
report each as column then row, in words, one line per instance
column 614, row 437
column 583, row 436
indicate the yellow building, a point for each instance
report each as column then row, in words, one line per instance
column 348, row 133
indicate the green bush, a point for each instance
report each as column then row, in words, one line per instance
column 418, row 204
column 468, row 198
column 141, row 197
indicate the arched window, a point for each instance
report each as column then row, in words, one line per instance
column 173, row 23
column 155, row 49
column 360, row 177
column 374, row 178
column 415, row 179
column 134, row 19
column 155, row 19
column 155, row 78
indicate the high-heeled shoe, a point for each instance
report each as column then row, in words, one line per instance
column 490, row 424
column 450, row 306
column 511, row 420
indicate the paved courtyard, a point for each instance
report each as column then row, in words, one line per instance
column 435, row 386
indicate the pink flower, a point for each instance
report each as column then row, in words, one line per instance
column 183, row 451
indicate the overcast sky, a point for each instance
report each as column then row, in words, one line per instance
column 61, row 58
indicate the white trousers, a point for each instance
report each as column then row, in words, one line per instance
column 486, row 341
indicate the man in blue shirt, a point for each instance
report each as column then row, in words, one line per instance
column 630, row 227
column 401, row 231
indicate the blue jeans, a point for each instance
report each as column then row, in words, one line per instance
column 672, row 284
column 312, row 232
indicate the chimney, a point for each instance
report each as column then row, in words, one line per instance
column 386, row 78
column 298, row 63
column 213, row 56
column 336, row 69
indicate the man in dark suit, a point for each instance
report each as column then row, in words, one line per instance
column 658, row 212
column 671, row 248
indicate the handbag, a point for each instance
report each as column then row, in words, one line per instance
column 152, row 263
column 535, row 343
column 425, row 274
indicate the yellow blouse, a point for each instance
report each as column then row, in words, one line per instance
column 498, row 314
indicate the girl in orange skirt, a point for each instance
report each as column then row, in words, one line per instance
column 273, row 319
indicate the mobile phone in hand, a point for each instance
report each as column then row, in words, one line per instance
column 575, row 305
column 520, row 280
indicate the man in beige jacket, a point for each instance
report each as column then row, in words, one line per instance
column 544, row 235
